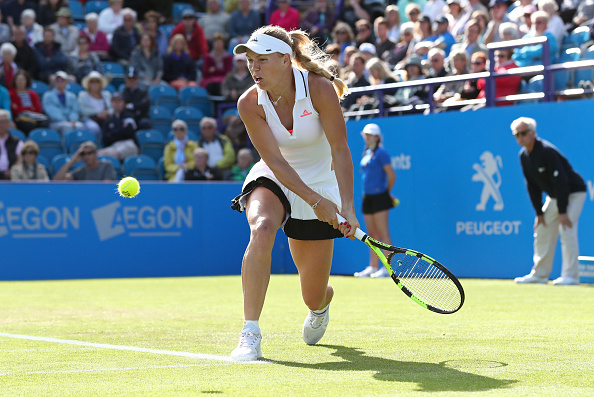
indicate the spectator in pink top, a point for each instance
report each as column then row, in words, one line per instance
column 285, row 16
column 98, row 43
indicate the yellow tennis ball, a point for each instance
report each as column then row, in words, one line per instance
column 128, row 187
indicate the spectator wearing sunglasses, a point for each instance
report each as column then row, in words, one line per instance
column 29, row 169
column 410, row 9
column 547, row 171
column 92, row 170
column 178, row 155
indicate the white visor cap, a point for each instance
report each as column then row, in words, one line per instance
column 264, row 44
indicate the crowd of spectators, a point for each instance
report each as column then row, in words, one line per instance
column 370, row 42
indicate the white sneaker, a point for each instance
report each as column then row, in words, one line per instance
column 531, row 279
column 566, row 281
column 315, row 325
column 248, row 348
column 382, row 272
column 367, row 272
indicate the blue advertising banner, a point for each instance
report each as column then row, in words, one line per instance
column 462, row 200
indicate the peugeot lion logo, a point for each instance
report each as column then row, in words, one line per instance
column 488, row 173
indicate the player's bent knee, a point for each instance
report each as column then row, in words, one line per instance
column 263, row 229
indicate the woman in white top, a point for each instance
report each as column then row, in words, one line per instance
column 305, row 177
column 94, row 102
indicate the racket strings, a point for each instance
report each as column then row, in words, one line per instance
column 426, row 282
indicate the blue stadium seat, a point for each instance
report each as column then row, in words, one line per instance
column 190, row 115
column 166, row 29
column 18, row 134
column 151, row 143
column 588, row 73
column 161, row 168
column 565, row 78
column 141, row 167
column 95, row 6
column 110, row 88
column 49, row 142
column 191, row 136
column 178, row 9
column 44, row 161
column 76, row 9
column 161, row 119
column 197, row 97
column 39, row 87
column 580, row 35
column 115, row 71
column 74, row 138
column 166, row 96
column 75, row 88
column 116, row 164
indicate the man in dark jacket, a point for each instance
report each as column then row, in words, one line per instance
column 137, row 100
column 119, row 131
column 547, row 170
column 50, row 57
column 25, row 57
column 125, row 38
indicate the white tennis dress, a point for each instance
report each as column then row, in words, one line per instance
column 305, row 148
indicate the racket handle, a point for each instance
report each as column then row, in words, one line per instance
column 359, row 234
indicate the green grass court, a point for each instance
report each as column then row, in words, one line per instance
column 520, row 340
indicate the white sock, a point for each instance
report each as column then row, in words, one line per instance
column 253, row 323
column 320, row 312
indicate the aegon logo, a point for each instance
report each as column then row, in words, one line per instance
column 487, row 172
column 113, row 220
column 38, row 222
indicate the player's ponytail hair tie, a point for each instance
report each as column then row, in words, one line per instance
column 331, row 78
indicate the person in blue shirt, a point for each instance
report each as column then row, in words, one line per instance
column 531, row 55
column 378, row 178
column 442, row 38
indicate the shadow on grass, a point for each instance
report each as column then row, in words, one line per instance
column 428, row 377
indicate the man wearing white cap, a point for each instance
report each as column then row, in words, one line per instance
column 62, row 106
column 304, row 179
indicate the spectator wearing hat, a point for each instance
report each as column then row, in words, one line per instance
column 92, row 170
column 238, row 80
column 146, row 61
column 98, row 43
column 364, row 33
column 442, row 38
column 368, row 51
column 406, row 6
column 61, row 106
column 319, row 21
column 66, row 34
column 215, row 21
column 384, row 45
column 84, row 61
column 111, row 18
column 13, row 10
column 8, row 67
column 119, row 131
column 532, row 54
column 46, row 14
column 25, row 57
column 94, row 102
column 125, row 38
column 434, row 9
column 33, row 30
column 457, row 18
column 498, row 12
column 50, row 56
column 284, row 16
column 188, row 28
column 243, row 22
column 423, row 30
column 137, row 99
column 470, row 42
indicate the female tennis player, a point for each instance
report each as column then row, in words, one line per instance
column 305, row 177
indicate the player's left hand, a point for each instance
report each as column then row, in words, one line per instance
column 565, row 221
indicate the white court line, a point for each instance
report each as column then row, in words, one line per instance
column 76, row 371
column 130, row 348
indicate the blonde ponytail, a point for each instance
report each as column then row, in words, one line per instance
column 307, row 55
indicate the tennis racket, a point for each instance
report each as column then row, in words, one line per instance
column 420, row 277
